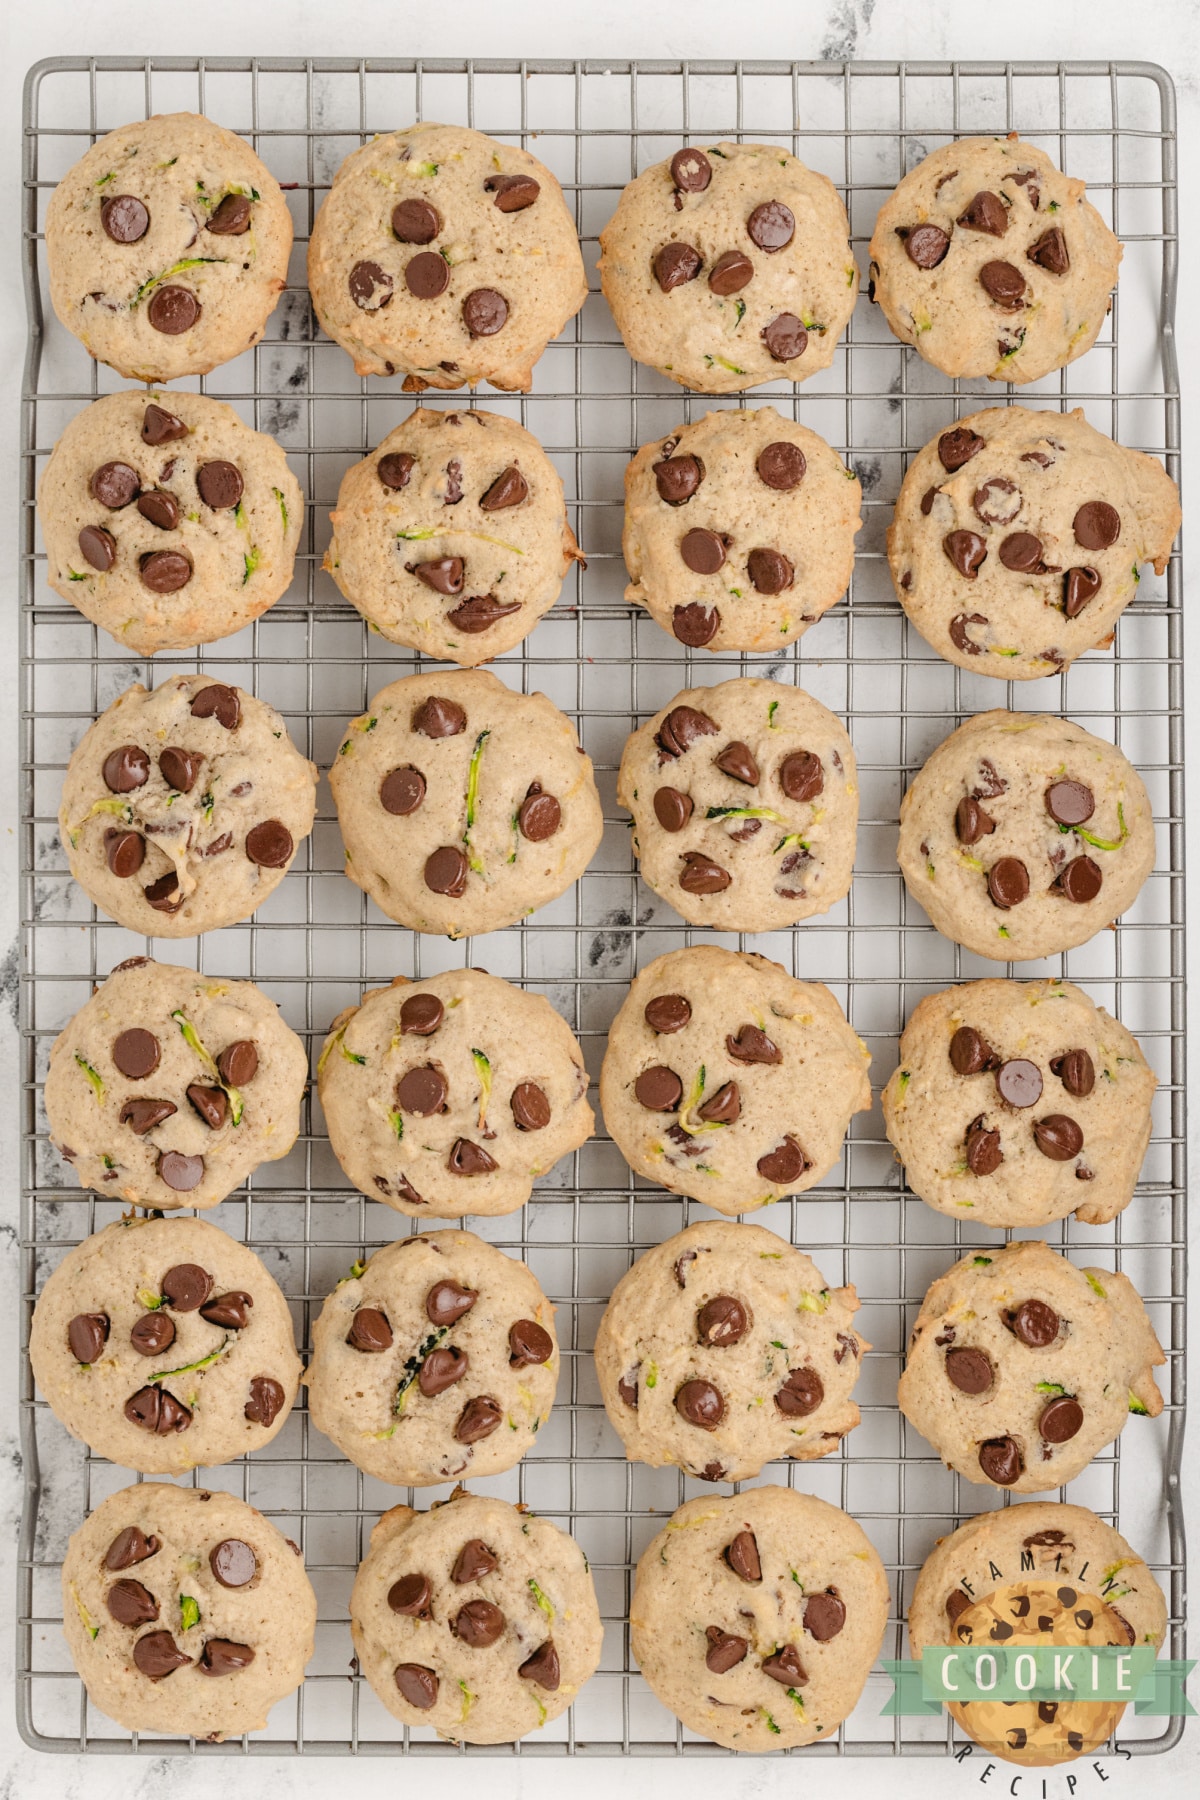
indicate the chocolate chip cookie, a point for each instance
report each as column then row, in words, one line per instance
column 724, row 1349
column 727, row 1080
column 452, row 537
column 1017, row 1103
column 435, row 1359
column 739, row 530
column 729, row 265
column 165, row 1345
column 745, row 805
column 463, row 805
column 1024, row 835
column 756, row 1617
column 186, row 1612
column 446, row 256
column 452, row 1094
column 1017, row 537
column 989, row 260
column 1021, row 1367
column 1037, row 1573
column 183, row 808
column 476, row 1618
column 168, row 1088
column 168, row 246
column 166, row 520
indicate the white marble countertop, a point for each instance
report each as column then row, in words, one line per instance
column 1168, row 33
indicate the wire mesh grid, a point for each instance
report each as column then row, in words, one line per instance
column 316, row 942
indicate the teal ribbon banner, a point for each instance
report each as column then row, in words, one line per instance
column 1152, row 1686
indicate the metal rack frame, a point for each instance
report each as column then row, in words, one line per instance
column 316, row 942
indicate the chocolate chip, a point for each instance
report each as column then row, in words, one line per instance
column 513, row 192
column 529, row 1344
column 1076, row 1071
column 721, row 1321
column 186, row 1286
column 957, row 1603
column 627, row 1388
column 114, row 484
column 958, row 632
column 926, row 245
column 542, row 1667
column 220, row 485
column 957, row 447
column 156, row 1411
column 770, row 571
column 411, row 1597
column 1035, row 1324
column 153, row 1333
column 87, row 1335
column 785, row 1667
column 741, row 1554
column 212, row 1103
column 1058, row 1137
column 1061, row 1420
column 969, row 1054
column 124, row 218
column 157, row 1656
column 966, row 550
column 416, row 1684
column 1080, row 587
column 1050, row 252
column 695, row 624
column 1019, row 1082
column 439, row 718
column 1097, row 525
column 370, row 1331
column 971, row 822
column 737, row 761
column 473, row 1562
column 701, row 1404
column 801, row 1393
column 426, row 275
column 468, row 1159
column 731, row 273
column 539, row 815
column 725, row 1106
column 401, row 791
column 658, row 1089
column 129, row 1547
column 124, row 852
column 478, row 1623
column 222, row 1656
column 781, row 465
column 219, row 702
column 135, row 1053
column 801, row 775
column 986, row 212
column 998, row 502
column 478, row 1419
column 510, row 488
column 420, row 1015
column 1001, row 1460
column 481, row 612
column 1080, row 881
column 668, row 1013
column 238, row 1062
column 231, row 1311
column 484, row 312
column 269, row 845
column 691, row 171
column 824, row 1615
column 395, row 469
column 1008, row 882
column 1003, row 284
column 164, row 571
column 703, row 551
column 786, row 1163
column 984, row 1154
column 1070, row 802
column 232, row 217
column 530, row 1107
column 143, row 1115
column 233, row 1563
column 725, row 1650
column 969, row 1370
column 1021, row 552
column 447, row 1302
column 675, row 265
column 444, row 574
column 99, row 547
column 370, row 286
column 752, row 1046
column 441, row 1369
column 179, row 768
column 160, row 426
column 677, row 478
column 785, row 337
column 415, row 222
column 446, row 871
column 422, row 1091
column 700, row 875
column 771, row 226
column 265, row 1402
column 173, row 310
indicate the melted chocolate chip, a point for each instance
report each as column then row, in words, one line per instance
column 414, row 221
column 1080, row 881
column 785, row 337
column 530, row 1107
column 124, row 218
column 997, row 502
column 510, row 488
column 124, row 852
column 411, row 1597
column 231, row 1311
column 1077, row 1072
column 1058, row 1137
column 691, row 170
column 658, row 1089
column 926, row 245
column 99, row 547
column 539, row 815
column 478, row 1419
column 984, row 1154
column 801, row 1393
column 700, row 1404
column 957, row 447
column 446, row 871
column 439, row 718
column 173, row 310
column 212, row 1104
column 1021, row 552
column 958, row 632
column 986, row 212
column 1001, row 1460
column 441, row 1369
column 969, row 1370
column 265, row 1402
column 370, row 286
column 731, row 273
column 153, row 1333
column 542, row 1667
column 725, row 1650
column 771, row 226
column 784, row 1164
column 1008, row 883
column 479, row 1623
column 1004, row 284
column 1097, row 525
column 969, row 1054
column 401, row 791
column 1061, row 1420
column 233, row 1563
column 422, row 1091
column 741, row 1554
column 966, row 550
column 1049, row 252
column 1079, row 588
column 695, row 624
column 971, row 822
column 444, row 574
column 752, row 1046
column 1035, row 1324
column 469, row 1159
column 420, row 1015
column 269, row 845
column 785, row 1667
column 675, row 265
column 129, row 1547
column 513, row 193
column 1019, row 1082
column 484, row 312
column 223, row 1656
column 87, row 1335
column 156, row 1655
column 721, row 1321
column 143, row 1115
column 220, row 485
column 703, row 551
column 238, row 1062
column 448, row 1301
column 1070, row 802
column 529, row 1344
column 160, row 426
column 824, row 1615
column 219, row 702
column 473, row 1562
column 700, row 875
column 770, row 571
column 157, row 1411
column 781, row 465
column 135, row 1053
column 725, row 1106
column 370, row 1331
column 395, row 469
column 179, row 768
column 416, row 1684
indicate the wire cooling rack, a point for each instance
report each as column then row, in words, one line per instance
column 316, row 942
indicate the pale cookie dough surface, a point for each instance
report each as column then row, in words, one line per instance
column 452, row 1094
column 1022, row 1367
column 727, row 1080
column 226, row 1374
column 999, row 872
column 1018, row 289
column 794, row 1582
column 501, row 1627
column 762, row 497
column 220, row 1655
column 169, row 1087
column 168, row 246
column 167, row 520
column 463, row 805
column 740, row 852
column 1017, row 537
column 437, row 1360
column 452, row 536
column 982, row 1069
column 172, row 861
column 753, row 248
column 1037, row 1573
column 481, row 278
column 724, row 1349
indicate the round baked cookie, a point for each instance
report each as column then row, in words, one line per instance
column 1024, row 835
column 724, row 1349
column 434, row 1360
column 185, row 1611
column 476, row 1618
column 167, row 1088
column 1021, row 1367
column 463, row 805
column 183, row 807
column 1017, row 1103
column 727, row 1080
column 165, row 1345
column 756, row 1617
column 452, row 1094
column 452, row 537
column 988, row 259
column 1037, row 1573
column 445, row 255
column 167, row 245
column 745, row 805
column 730, row 265
column 739, row 530
column 1017, row 536
column 167, row 520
